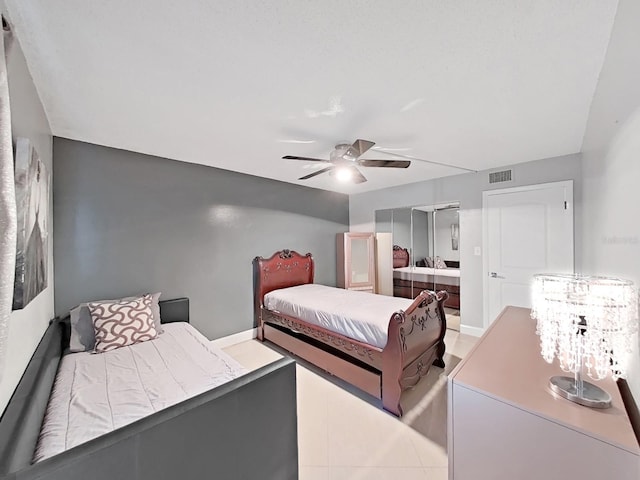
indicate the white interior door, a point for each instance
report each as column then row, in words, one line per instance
column 527, row 230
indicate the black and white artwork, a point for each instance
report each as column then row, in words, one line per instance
column 32, row 205
column 455, row 231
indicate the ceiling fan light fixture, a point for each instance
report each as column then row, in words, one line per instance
column 344, row 159
column 343, row 174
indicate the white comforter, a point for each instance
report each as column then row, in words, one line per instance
column 358, row 315
column 96, row 393
column 443, row 276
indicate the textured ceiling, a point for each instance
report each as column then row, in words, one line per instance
column 237, row 84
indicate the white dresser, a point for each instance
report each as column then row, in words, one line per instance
column 504, row 423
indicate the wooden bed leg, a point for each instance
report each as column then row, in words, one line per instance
column 391, row 392
column 439, row 361
column 392, row 364
column 260, row 333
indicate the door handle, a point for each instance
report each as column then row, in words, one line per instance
column 495, row 275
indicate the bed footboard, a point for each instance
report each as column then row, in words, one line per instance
column 415, row 340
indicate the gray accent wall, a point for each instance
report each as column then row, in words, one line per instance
column 612, row 164
column 127, row 223
column 467, row 189
column 29, row 120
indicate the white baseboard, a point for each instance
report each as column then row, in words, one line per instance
column 475, row 331
column 235, row 338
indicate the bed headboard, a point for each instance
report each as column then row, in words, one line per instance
column 174, row 310
column 400, row 257
column 285, row 268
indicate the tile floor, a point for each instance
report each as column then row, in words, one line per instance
column 345, row 434
column 453, row 318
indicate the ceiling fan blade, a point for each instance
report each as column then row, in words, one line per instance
column 359, row 147
column 384, row 163
column 356, row 176
column 317, row 172
column 306, row 159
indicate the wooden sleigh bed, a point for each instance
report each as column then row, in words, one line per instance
column 415, row 336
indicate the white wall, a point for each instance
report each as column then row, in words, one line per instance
column 611, row 234
column 28, row 119
column 467, row 189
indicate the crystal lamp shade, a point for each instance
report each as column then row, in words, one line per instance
column 586, row 321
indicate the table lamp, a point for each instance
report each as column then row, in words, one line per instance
column 587, row 322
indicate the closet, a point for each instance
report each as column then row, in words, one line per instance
column 426, row 251
column 356, row 261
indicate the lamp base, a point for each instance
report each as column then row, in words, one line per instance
column 592, row 396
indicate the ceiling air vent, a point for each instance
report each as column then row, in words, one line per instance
column 497, row 177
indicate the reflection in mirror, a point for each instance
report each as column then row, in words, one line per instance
column 402, row 228
column 421, row 245
column 430, row 237
column 447, row 235
column 446, row 259
column 359, row 260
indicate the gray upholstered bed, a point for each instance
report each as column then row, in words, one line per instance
column 221, row 433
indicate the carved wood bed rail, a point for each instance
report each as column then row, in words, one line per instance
column 415, row 336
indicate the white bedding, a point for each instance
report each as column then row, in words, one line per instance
column 444, row 276
column 94, row 394
column 358, row 315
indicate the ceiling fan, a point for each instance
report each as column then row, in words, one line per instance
column 344, row 160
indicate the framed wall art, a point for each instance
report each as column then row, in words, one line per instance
column 32, row 206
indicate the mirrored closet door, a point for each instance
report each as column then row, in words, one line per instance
column 445, row 256
column 426, row 252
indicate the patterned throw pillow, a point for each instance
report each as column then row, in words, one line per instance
column 438, row 262
column 122, row 323
column 82, row 337
column 429, row 262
